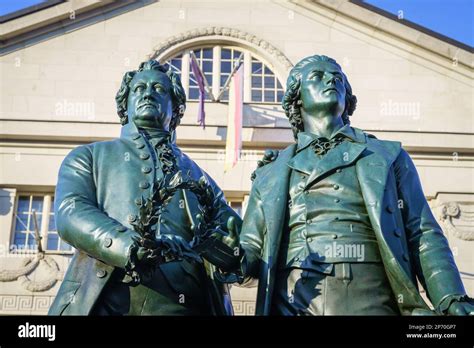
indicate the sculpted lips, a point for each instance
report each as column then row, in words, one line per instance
column 330, row 89
column 146, row 104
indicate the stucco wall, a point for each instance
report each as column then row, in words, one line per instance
column 59, row 92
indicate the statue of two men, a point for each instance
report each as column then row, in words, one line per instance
column 337, row 223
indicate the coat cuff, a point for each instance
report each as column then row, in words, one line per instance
column 116, row 248
column 445, row 283
column 237, row 274
column 446, row 302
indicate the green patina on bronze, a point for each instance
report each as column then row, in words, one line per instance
column 154, row 235
column 141, row 214
column 338, row 187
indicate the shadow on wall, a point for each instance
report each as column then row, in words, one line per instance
column 6, row 202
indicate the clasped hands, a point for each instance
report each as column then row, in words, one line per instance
column 170, row 247
column 164, row 248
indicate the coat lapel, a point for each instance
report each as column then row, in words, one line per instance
column 274, row 194
column 372, row 172
column 373, row 165
column 343, row 155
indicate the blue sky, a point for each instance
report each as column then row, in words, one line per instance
column 8, row 6
column 452, row 18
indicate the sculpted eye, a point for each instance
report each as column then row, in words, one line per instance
column 316, row 75
column 159, row 88
column 139, row 88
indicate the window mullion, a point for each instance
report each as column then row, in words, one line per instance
column 28, row 222
column 254, row 82
column 216, row 70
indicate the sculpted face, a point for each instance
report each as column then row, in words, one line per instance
column 149, row 101
column 322, row 89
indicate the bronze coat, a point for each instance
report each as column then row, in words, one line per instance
column 94, row 206
column 411, row 242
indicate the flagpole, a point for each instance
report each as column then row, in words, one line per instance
column 206, row 84
column 227, row 82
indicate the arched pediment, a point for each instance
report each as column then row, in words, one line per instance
column 224, row 35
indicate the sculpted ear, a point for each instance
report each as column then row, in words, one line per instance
column 352, row 104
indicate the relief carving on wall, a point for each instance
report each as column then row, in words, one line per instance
column 242, row 307
column 31, row 264
column 457, row 219
column 25, row 304
column 28, row 266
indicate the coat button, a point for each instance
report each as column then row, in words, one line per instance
column 132, row 218
column 138, row 201
column 337, row 200
column 390, row 209
column 397, row 232
column 334, row 236
column 309, row 239
column 306, row 192
column 107, row 242
column 309, row 221
column 140, row 146
column 338, row 170
column 405, row 257
column 146, row 170
column 121, row 228
column 136, row 136
column 297, row 259
column 162, row 221
column 144, row 185
column 144, row 156
column 101, row 273
column 335, row 186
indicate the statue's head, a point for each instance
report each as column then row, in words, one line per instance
column 152, row 97
column 317, row 83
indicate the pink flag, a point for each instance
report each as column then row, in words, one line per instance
column 234, row 120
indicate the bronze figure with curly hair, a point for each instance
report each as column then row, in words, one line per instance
column 325, row 232
column 177, row 92
column 140, row 213
column 291, row 102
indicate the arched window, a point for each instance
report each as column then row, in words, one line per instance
column 261, row 85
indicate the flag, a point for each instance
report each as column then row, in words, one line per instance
column 202, row 90
column 234, row 119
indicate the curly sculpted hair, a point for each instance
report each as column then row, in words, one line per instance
column 292, row 102
column 178, row 95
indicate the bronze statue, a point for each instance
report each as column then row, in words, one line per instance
column 337, row 223
column 141, row 214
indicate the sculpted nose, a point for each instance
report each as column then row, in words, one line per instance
column 148, row 92
column 331, row 79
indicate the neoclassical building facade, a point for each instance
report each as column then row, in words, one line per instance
column 62, row 64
